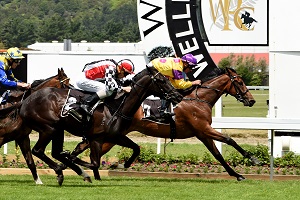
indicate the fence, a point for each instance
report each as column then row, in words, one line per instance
column 259, row 123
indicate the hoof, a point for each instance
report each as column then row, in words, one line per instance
column 60, row 179
column 116, row 165
column 255, row 161
column 38, row 181
column 240, row 178
column 87, row 179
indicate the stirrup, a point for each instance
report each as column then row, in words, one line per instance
column 166, row 114
column 86, row 108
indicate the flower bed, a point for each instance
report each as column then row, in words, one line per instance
column 149, row 161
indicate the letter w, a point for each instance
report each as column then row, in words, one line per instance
column 158, row 23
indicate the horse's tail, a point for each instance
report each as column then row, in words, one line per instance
column 6, row 111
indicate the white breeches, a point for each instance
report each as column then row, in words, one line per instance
column 93, row 86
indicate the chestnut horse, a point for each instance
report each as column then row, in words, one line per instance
column 42, row 110
column 12, row 126
column 193, row 117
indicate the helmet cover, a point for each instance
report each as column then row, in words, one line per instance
column 190, row 59
column 14, row 53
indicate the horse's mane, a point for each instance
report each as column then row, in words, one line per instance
column 213, row 74
column 140, row 74
column 4, row 112
column 40, row 81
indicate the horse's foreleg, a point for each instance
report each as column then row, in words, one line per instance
column 95, row 155
column 39, row 151
column 124, row 141
column 24, row 145
column 209, row 143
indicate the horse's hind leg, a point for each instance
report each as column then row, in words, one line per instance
column 57, row 148
column 95, row 156
column 80, row 147
column 24, row 145
column 83, row 145
column 209, row 143
column 124, row 141
column 39, row 151
column 215, row 135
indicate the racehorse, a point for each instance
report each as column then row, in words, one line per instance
column 41, row 111
column 12, row 126
column 247, row 21
column 193, row 118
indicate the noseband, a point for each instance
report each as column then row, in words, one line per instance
column 62, row 82
column 239, row 93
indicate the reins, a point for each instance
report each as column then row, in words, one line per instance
column 198, row 98
column 116, row 112
column 134, row 83
column 61, row 82
column 239, row 94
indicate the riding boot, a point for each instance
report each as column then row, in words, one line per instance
column 164, row 113
column 89, row 102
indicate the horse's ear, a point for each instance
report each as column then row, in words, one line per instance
column 60, row 72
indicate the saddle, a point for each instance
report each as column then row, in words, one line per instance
column 4, row 97
column 72, row 106
column 151, row 110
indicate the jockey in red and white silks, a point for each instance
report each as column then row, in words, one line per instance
column 100, row 77
column 104, row 77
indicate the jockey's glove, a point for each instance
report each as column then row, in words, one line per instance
column 126, row 89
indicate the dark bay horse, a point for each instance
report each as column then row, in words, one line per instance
column 41, row 112
column 193, row 117
column 12, row 126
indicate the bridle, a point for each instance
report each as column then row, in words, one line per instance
column 62, row 82
column 234, row 83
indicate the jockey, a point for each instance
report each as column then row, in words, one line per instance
column 173, row 69
column 11, row 60
column 104, row 77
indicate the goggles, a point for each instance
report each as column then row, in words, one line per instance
column 17, row 61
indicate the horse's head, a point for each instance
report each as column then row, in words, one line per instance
column 60, row 80
column 238, row 89
column 157, row 84
column 63, row 78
